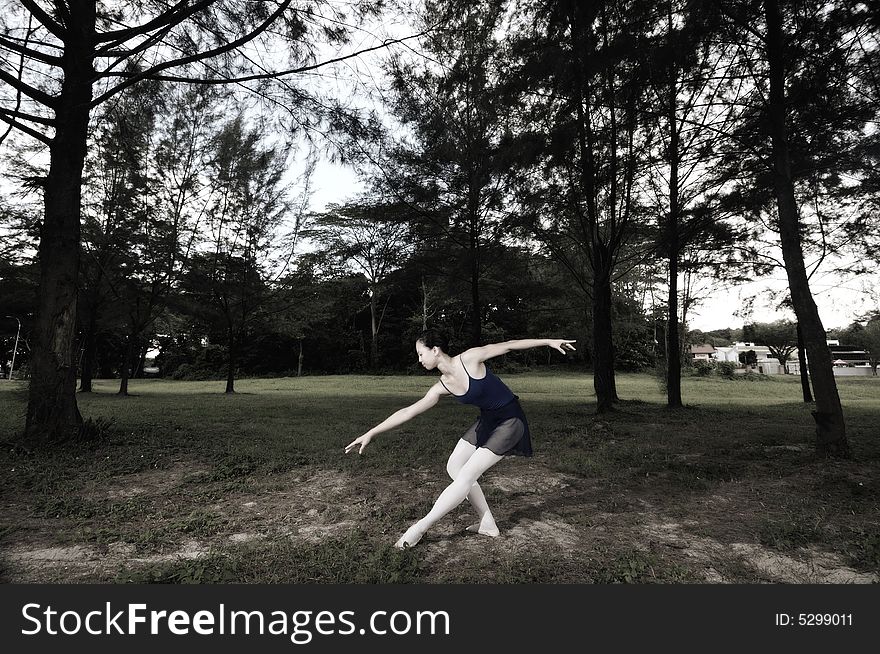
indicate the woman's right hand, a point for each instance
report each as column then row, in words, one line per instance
column 360, row 442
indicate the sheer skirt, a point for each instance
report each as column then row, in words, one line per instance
column 502, row 431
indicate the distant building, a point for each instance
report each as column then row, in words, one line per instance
column 732, row 352
column 848, row 360
column 849, row 355
column 705, row 352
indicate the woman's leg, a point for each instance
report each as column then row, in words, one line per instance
column 486, row 525
column 453, row 495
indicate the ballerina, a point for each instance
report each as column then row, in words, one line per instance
column 501, row 429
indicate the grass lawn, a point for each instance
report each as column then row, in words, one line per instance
column 186, row 484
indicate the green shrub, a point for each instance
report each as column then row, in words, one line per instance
column 726, row 369
column 193, row 372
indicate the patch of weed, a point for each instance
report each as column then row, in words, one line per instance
column 634, row 566
column 791, row 531
column 353, row 558
column 865, row 547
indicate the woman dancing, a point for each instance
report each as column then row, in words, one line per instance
column 500, row 429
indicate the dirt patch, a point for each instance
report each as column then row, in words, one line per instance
column 309, row 506
column 189, row 550
column 159, row 481
column 72, row 563
column 548, row 531
column 530, row 478
column 539, row 511
column 44, row 555
column 320, row 532
column 812, row 565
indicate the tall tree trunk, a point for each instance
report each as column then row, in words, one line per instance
column 831, row 429
column 88, row 359
column 106, row 366
column 52, row 412
column 299, row 361
column 673, row 342
column 374, row 332
column 138, row 372
column 601, row 263
column 603, row 345
column 476, row 304
column 125, row 370
column 802, row 366
column 424, row 306
column 233, row 353
column 476, row 309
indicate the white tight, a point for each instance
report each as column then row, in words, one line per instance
column 460, row 455
column 465, row 466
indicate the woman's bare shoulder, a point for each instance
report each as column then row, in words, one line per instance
column 477, row 355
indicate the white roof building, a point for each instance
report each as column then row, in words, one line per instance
column 732, row 352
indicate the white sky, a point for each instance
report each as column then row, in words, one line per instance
column 333, row 183
column 839, row 303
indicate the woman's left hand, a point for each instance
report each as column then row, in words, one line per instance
column 561, row 344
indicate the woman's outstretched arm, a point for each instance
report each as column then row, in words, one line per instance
column 497, row 349
column 399, row 417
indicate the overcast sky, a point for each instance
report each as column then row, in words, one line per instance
column 839, row 303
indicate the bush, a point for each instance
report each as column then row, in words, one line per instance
column 193, row 372
column 633, row 360
column 703, row 368
column 726, row 369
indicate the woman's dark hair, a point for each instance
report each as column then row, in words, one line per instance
column 434, row 338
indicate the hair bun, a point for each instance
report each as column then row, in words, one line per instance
column 435, row 338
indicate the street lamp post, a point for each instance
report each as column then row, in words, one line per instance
column 15, row 347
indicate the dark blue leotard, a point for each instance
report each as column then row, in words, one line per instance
column 502, row 426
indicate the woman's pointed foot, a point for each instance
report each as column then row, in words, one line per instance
column 487, row 530
column 410, row 538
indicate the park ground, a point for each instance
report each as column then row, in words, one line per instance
column 181, row 483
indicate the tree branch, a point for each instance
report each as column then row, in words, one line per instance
column 29, row 117
column 135, row 77
column 45, row 19
column 30, row 30
column 28, row 52
column 126, row 54
column 24, row 128
column 174, row 16
column 34, row 94
column 150, row 73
